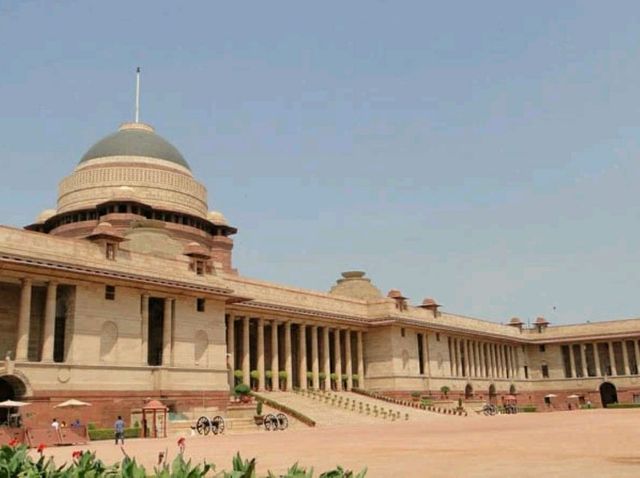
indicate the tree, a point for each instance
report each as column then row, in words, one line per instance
column 445, row 391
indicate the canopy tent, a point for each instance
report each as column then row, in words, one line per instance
column 73, row 403
column 574, row 396
column 13, row 404
column 551, row 395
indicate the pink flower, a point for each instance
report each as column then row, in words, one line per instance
column 41, row 448
column 76, row 454
column 13, row 442
column 181, row 441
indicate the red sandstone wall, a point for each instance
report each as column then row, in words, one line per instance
column 106, row 406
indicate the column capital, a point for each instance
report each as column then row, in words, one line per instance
column 26, row 280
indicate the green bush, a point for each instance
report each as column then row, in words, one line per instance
column 16, row 462
column 241, row 389
column 415, row 394
column 259, row 408
column 527, row 408
column 282, row 374
column 254, row 374
column 623, row 405
column 109, row 434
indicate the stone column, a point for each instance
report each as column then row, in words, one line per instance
column 275, row 366
column 288, row 363
column 572, row 363
column 49, row 322
column 635, row 352
column 596, row 359
column 360, row 354
column 167, row 333
column 24, row 319
column 494, row 359
column 231, row 346
column 144, row 330
column 261, row 368
column 483, row 372
column 612, row 362
column 315, row 367
column 469, row 354
column 455, row 357
column 348, row 360
column 302, row 356
column 231, row 341
column 625, row 357
column 583, row 357
column 337, row 358
column 327, row 363
column 246, row 362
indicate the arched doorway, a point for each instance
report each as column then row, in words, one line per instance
column 608, row 393
column 492, row 393
column 11, row 388
column 468, row 391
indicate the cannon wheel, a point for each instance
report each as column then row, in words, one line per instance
column 270, row 422
column 283, row 422
column 217, row 425
column 203, row 426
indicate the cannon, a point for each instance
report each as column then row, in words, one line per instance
column 206, row 425
column 274, row 422
column 489, row 409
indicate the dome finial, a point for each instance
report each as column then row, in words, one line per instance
column 138, row 95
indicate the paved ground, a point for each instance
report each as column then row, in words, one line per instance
column 561, row 444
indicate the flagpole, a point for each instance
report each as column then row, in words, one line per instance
column 138, row 95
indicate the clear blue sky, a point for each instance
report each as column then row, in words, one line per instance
column 483, row 153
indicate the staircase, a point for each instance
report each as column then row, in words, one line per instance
column 347, row 408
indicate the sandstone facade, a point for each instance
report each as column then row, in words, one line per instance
column 126, row 291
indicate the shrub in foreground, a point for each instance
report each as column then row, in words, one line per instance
column 15, row 461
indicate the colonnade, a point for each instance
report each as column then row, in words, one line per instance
column 579, row 366
column 477, row 359
column 320, row 364
column 24, row 320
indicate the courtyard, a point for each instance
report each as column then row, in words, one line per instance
column 561, row 444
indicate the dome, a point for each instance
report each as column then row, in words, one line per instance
column 217, row 218
column 135, row 139
column 44, row 215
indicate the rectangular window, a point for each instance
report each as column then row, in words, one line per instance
column 420, row 354
column 542, row 348
column 437, row 337
column 200, row 304
column 526, row 371
column 545, row 371
column 200, row 268
column 402, row 332
column 110, row 292
column 636, row 398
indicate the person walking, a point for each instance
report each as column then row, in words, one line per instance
column 55, row 424
column 119, row 429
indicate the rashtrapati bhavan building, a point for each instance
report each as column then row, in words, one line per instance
column 127, row 291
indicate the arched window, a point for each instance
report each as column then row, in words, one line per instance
column 108, row 340
column 201, row 344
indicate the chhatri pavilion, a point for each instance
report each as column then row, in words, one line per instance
column 126, row 291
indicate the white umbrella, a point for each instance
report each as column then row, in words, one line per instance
column 12, row 404
column 551, row 395
column 72, row 403
column 574, row 396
